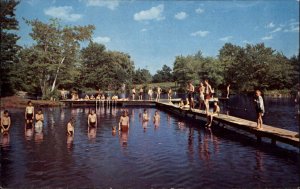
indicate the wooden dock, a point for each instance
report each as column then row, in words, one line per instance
column 223, row 120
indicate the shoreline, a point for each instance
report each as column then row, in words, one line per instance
column 19, row 102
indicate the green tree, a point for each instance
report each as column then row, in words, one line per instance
column 105, row 69
column 163, row 75
column 55, row 54
column 8, row 46
column 142, row 76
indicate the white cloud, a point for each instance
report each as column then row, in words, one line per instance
column 180, row 16
column 270, row 25
column 269, row 37
column 292, row 27
column 100, row 39
column 111, row 4
column 199, row 10
column 276, row 30
column 200, row 33
column 64, row 13
column 144, row 30
column 155, row 13
column 227, row 38
column 247, row 42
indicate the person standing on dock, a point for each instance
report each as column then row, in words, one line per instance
column 207, row 95
column 150, row 93
column 228, row 90
column 141, row 93
column 260, row 108
column 170, row 95
column 191, row 90
column 158, row 92
column 201, row 95
column 133, row 93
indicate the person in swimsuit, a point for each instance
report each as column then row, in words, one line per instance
column 29, row 112
column 124, row 122
column 39, row 118
column 170, row 95
column 260, row 108
column 210, row 116
column 70, row 127
column 5, row 122
column 133, row 93
column 150, row 93
column 191, row 90
column 228, row 90
column 92, row 119
column 201, row 95
column 141, row 94
column 158, row 93
column 156, row 119
column 207, row 95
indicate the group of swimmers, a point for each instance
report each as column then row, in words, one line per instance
column 150, row 93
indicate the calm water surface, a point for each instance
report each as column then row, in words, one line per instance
column 177, row 153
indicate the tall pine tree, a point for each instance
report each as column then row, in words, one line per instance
column 8, row 46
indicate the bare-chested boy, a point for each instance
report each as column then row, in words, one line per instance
column 92, row 119
column 70, row 127
column 5, row 122
column 39, row 118
column 29, row 112
column 156, row 118
column 124, row 122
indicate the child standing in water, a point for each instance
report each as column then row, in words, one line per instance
column 39, row 118
column 156, row 119
column 70, row 127
column 5, row 122
column 92, row 119
column 29, row 112
column 259, row 107
column 124, row 122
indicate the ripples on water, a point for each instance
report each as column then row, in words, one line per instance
column 177, row 153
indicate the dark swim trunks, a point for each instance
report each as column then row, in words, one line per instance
column 5, row 126
column 93, row 124
column 29, row 116
column 124, row 128
column 28, row 125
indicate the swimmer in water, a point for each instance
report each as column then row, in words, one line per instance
column 5, row 122
column 92, row 119
column 124, row 122
column 29, row 112
column 70, row 127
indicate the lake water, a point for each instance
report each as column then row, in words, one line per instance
column 178, row 153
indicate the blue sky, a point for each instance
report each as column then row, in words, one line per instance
column 154, row 32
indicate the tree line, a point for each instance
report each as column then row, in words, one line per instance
column 57, row 60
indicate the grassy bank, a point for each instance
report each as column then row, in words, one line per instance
column 18, row 102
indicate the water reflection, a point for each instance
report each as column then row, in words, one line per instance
column 28, row 131
column 5, row 139
column 39, row 135
column 92, row 132
column 123, row 137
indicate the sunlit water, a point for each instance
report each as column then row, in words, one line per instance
column 178, row 153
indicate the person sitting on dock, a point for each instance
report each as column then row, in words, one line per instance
column 191, row 90
column 98, row 97
column 29, row 113
column 86, row 97
column 92, row 97
column 169, row 94
column 156, row 119
column 260, row 108
column 5, row 122
column 181, row 104
column 92, row 119
column 124, row 122
column 70, row 127
column 39, row 118
column 210, row 116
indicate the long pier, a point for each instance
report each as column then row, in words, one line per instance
column 220, row 120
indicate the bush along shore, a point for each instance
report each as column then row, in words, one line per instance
column 19, row 102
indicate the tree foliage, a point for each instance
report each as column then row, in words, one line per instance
column 8, row 46
column 142, row 76
column 104, row 69
column 163, row 75
column 55, row 53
